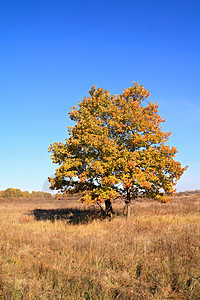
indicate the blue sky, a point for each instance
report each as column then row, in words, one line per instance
column 52, row 52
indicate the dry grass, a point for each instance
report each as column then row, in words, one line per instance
column 63, row 250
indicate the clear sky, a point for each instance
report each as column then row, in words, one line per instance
column 53, row 51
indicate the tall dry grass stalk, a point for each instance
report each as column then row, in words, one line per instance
column 64, row 250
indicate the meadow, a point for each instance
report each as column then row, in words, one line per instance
column 58, row 249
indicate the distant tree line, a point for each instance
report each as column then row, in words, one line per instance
column 17, row 193
column 189, row 192
column 67, row 196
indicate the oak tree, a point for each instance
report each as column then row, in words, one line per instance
column 116, row 148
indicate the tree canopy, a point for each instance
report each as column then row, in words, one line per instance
column 116, row 148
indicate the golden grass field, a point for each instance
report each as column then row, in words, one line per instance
column 60, row 249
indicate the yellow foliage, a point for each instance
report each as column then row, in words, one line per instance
column 117, row 147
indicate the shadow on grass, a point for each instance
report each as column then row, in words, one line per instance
column 71, row 215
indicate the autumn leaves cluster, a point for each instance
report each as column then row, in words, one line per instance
column 116, row 148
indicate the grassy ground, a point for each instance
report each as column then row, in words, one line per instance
column 64, row 250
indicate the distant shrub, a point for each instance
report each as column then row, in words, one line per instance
column 17, row 193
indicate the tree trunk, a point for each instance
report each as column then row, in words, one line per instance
column 127, row 208
column 109, row 209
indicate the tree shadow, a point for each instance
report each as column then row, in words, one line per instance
column 71, row 215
